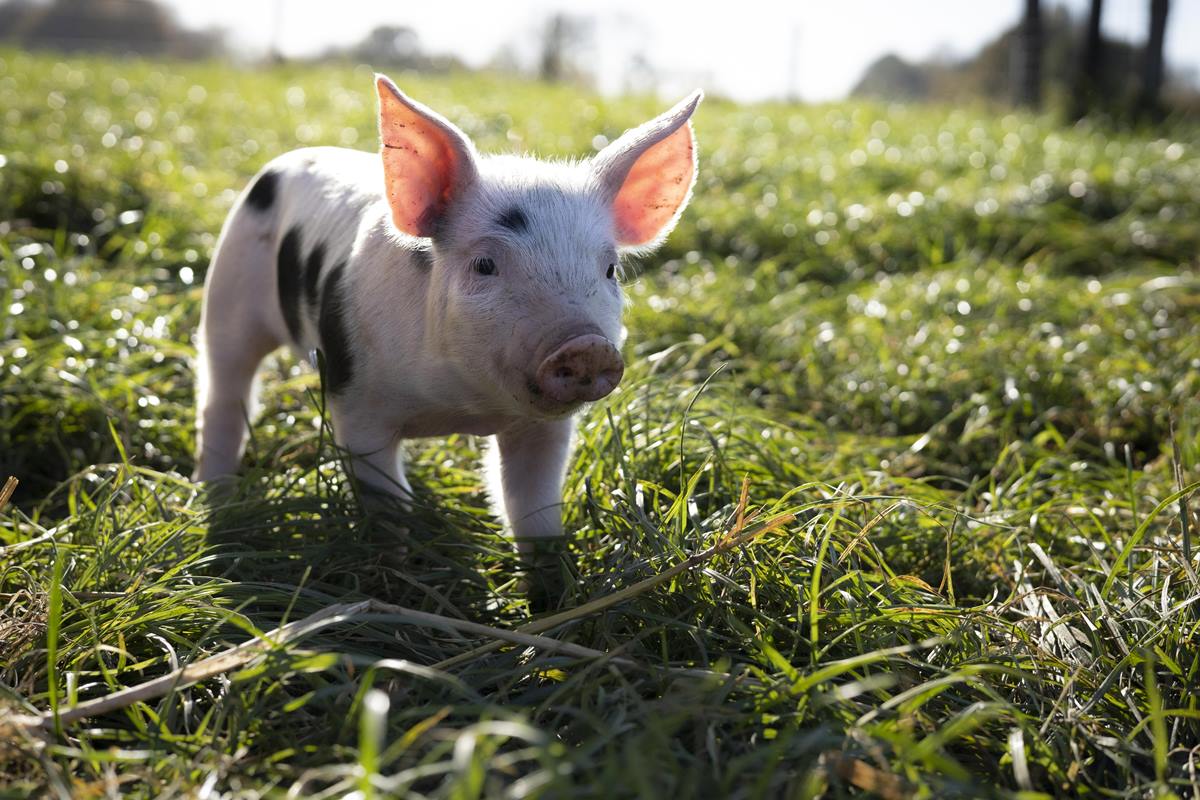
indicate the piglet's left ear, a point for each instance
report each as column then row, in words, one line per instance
column 647, row 175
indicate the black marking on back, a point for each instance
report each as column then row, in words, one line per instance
column 515, row 220
column 262, row 193
column 312, row 272
column 335, row 338
column 290, row 269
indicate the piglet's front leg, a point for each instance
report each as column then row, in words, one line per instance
column 533, row 459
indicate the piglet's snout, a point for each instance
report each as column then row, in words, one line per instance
column 582, row 369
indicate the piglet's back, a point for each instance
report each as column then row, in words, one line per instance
column 314, row 208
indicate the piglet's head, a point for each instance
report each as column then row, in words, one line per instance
column 524, row 295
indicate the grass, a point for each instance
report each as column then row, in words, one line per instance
column 953, row 354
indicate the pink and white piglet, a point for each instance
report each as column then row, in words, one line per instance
column 447, row 291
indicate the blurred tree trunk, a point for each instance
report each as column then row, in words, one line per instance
column 1029, row 56
column 1091, row 66
column 563, row 36
column 1152, row 67
column 554, row 46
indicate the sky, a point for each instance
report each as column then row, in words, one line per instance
column 811, row 49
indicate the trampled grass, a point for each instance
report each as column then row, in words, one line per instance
column 943, row 350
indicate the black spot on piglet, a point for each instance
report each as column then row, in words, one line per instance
column 335, row 338
column 290, row 277
column 262, row 193
column 515, row 220
column 312, row 273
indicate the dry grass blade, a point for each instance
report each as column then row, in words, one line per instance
column 45, row 537
column 6, row 492
column 743, row 499
column 521, row 637
column 859, row 773
column 22, row 620
column 1185, row 513
column 465, row 626
column 866, row 530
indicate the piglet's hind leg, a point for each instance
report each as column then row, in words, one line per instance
column 226, row 399
column 237, row 331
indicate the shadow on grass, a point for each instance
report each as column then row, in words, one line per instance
column 289, row 551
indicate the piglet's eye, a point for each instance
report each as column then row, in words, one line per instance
column 485, row 266
column 612, row 271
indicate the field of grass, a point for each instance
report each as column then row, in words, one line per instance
column 909, row 434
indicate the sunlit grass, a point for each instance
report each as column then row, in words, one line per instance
column 951, row 343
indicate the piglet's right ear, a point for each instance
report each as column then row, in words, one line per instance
column 427, row 162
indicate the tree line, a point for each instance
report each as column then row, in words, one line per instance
column 1091, row 81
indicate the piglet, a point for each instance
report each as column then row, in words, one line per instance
column 447, row 292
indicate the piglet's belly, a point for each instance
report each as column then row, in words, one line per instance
column 444, row 423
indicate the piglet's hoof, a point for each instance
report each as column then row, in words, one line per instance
column 546, row 569
column 375, row 500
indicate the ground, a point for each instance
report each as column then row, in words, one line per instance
column 950, row 356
